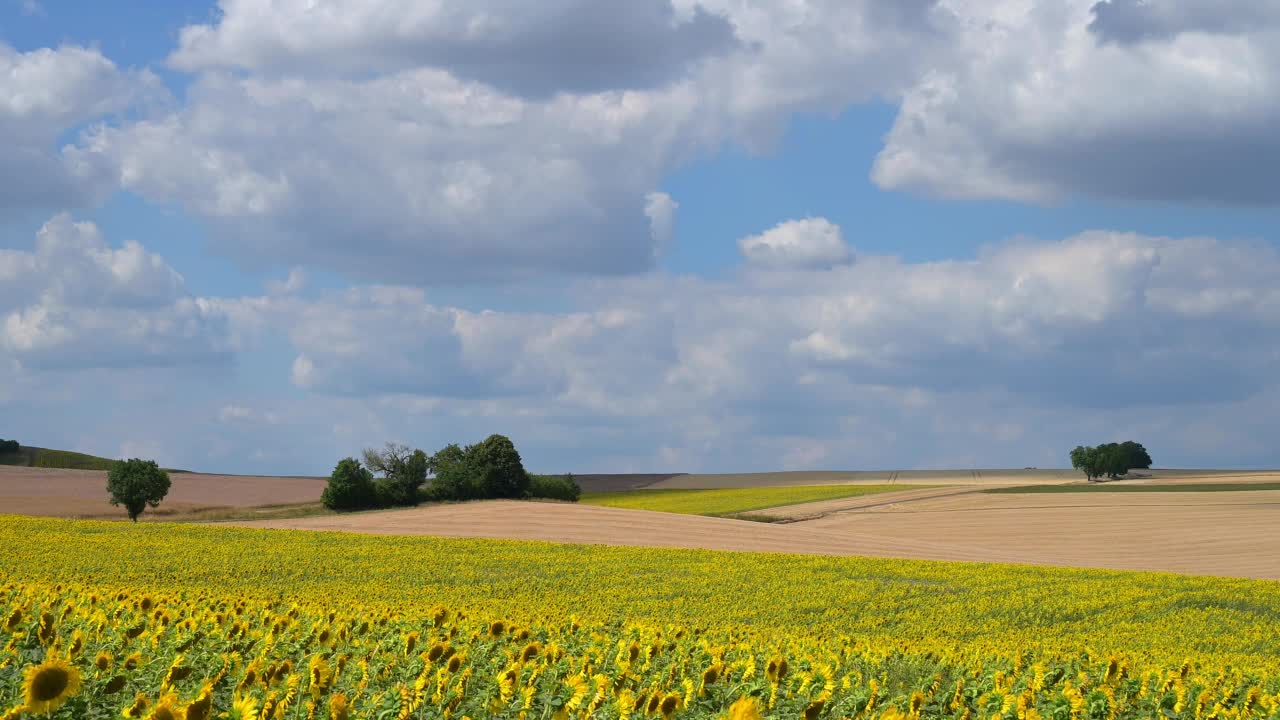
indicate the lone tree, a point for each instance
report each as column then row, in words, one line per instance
column 403, row 470
column 135, row 484
column 350, row 487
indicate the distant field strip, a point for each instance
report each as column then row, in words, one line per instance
column 729, row 501
column 1171, row 487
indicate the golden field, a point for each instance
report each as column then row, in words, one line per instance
column 730, row 501
column 104, row 620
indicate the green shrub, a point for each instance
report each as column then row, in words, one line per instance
column 9, row 446
column 554, row 487
column 350, row 487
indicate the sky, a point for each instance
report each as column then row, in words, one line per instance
column 256, row 236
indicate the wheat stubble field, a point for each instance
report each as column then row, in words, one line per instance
column 1235, row 533
column 1232, row 533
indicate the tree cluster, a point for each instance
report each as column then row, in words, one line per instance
column 9, row 446
column 1111, row 460
column 399, row 476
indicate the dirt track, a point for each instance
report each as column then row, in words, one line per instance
column 82, row 493
column 1226, row 533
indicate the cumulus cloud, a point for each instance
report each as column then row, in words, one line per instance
column 76, row 302
column 527, row 49
column 1027, row 348
column 45, row 93
column 440, row 144
column 415, row 177
column 1128, row 21
column 809, row 243
column 1039, row 104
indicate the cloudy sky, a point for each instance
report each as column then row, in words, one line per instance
column 660, row 235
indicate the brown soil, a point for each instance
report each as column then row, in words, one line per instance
column 1227, row 533
column 604, row 482
column 83, row 494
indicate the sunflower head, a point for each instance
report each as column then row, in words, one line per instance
column 530, row 651
column 138, row 707
column 814, row 710
column 50, row 684
column 435, row 652
column 410, row 642
column 202, row 707
column 746, row 708
column 669, row 704
column 710, row 675
column 165, row 709
column 103, row 661
column 114, row 685
column 339, row 709
column 496, row 628
column 244, row 708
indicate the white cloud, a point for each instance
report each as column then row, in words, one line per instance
column 524, row 48
column 76, row 302
column 1041, row 102
column 1006, row 358
column 809, row 243
column 414, row 177
column 45, row 93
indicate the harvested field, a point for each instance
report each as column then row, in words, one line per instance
column 1224, row 533
column 82, row 493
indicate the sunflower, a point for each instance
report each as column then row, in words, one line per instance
column 814, row 710
column 244, row 708
column 48, row 685
column 338, row 707
column 103, row 661
column 138, row 707
column 746, row 708
column 496, row 628
column 114, row 685
column 669, row 704
column 166, row 708
column 15, row 617
column 530, row 651
column 202, row 707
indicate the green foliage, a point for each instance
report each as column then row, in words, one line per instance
column 135, row 484
column 499, row 470
column 1137, row 455
column 350, row 487
column 554, row 487
column 403, row 470
column 1109, row 459
column 489, row 469
column 9, row 446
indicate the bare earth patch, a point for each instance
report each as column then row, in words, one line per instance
column 83, row 493
column 1233, row 534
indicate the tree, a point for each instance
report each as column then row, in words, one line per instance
column 350, row 487
column 404, row 471
column 499, row 470
column 1137, row 455
column 1088, row 461
column 489, row 469
column 9, row 446
column 135, row 484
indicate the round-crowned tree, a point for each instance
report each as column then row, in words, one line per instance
column 497, row 464
column 350, row 487
column 136, row 484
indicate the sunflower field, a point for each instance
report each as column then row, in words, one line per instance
column 113, row 620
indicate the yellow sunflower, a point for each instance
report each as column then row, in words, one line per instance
column 48, row 685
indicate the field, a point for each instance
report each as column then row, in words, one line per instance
column 728, row 501
column 82, row 493
column 210, row 620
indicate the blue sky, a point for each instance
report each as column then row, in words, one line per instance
column 700, row 235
